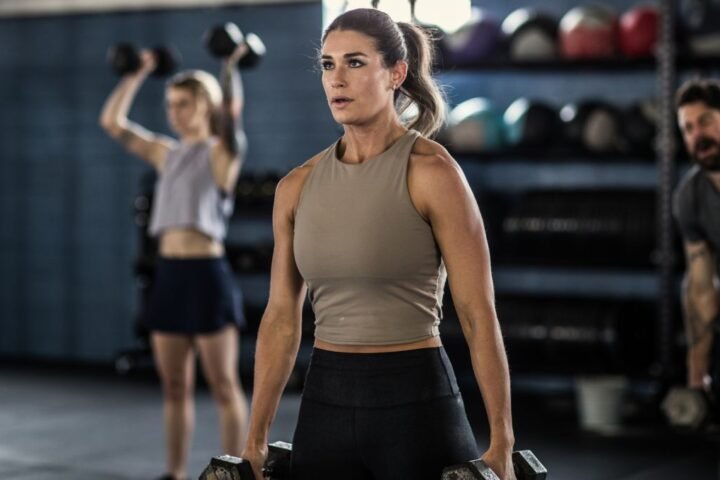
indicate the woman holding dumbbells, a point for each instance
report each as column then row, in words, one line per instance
column 194, row 304
column 369, row 226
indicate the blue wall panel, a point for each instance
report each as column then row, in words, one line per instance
column 68, row 240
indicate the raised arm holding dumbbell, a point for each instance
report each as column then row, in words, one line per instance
column 194, row 304
column 230, row 127
column 139, row 141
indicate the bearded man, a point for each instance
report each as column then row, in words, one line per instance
column 696, row 207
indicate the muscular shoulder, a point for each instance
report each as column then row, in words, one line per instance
column 290, row 186
column 430, row 163
column 434, row 177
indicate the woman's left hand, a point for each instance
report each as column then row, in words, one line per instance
column 241, row 50
column 500, row 461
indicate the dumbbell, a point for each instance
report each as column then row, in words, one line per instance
column 227, row 467
column 687, row 407
column 125, row 58
column 526, row 464
column 223, row 40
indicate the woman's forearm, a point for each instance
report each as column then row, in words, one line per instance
column 230, row 125
column 277, row 346
column 116, row 108
column 491, row 370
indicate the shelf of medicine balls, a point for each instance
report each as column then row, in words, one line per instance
column 590, row 130
column 566, row 159
column 591, row 65
column 561, row 156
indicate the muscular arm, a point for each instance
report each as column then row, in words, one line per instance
column 281, row 326
column 232, row 133
column 230, row 151
column 701, row 307
column 441, row 193
column 136, row 139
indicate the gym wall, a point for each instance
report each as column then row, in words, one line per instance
column 68, row 239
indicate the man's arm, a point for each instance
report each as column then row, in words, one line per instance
column 701, row 307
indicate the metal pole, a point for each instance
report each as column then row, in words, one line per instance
column 666, row 153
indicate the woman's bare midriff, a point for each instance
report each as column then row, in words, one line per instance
column 189, row 243
column 431, row 342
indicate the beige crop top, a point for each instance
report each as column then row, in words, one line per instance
column 373, row 269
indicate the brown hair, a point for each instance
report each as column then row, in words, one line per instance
column 202, row 85
column 397, row 42
column 697, row 90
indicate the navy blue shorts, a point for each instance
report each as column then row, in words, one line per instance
column 193, row 296
column 384, row 416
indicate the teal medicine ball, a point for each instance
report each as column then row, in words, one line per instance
column 475, row 126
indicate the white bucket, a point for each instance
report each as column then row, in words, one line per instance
column 600, row 401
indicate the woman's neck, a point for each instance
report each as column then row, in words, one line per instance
column 197, row 136
column 363, row 143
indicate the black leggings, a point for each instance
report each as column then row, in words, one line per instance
column 380, row 416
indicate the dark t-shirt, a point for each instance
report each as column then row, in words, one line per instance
column 696, row 206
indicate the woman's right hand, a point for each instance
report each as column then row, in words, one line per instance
column 256, row 457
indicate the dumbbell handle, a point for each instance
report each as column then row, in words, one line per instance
column 124, row 58
column 525, row 463
column 277, row 465
column 227, row 464
column 224, row 41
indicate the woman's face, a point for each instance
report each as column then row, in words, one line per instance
column 186, row 113
column 358, row 86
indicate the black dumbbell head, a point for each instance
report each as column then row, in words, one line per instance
column 123, row 58
column 472, row 470
column 256, row 50
column 277, row 464
column 228, row 467
column 167, row 59
column 527, row 466
column 222, row 40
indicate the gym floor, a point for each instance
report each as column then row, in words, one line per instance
column 570, row 203
column 84, row 424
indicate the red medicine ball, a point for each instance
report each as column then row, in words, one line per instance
column 639, row 31
column 588, row 32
